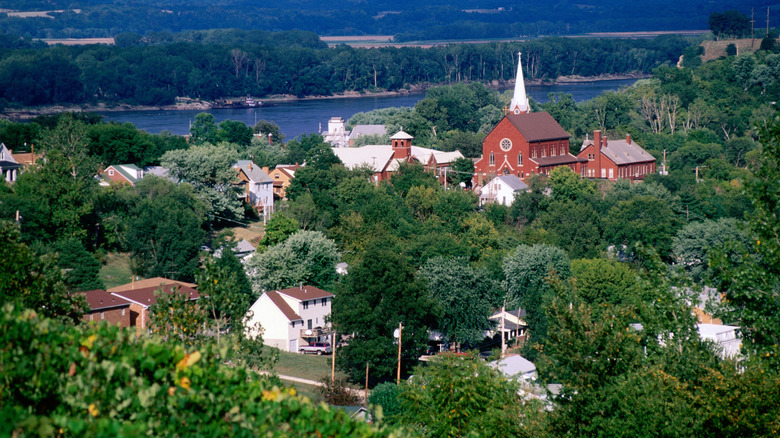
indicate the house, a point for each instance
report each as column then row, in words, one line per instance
column 121, row 174
column 337, row 134
column 9, row 167
column 515, row 367
column 361, row 130
column 384, row 160
column 525, row 143
column 615, row 159
column 725, row 338
column 257, row 186
column 502, row 190
column 142, row 298
column 511, row 323
column 290, row 318
column 281, row 176
column 150, row 282
column 103, row 306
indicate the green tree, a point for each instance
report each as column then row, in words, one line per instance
column 462, row 172
column 235, row 132
column 729, row 24
column 463, row 396
column 411, row 175
column 527, row 270
column 464, row 297
column 209, row 170
column 386, row 396
column 32, row 282
column 204, row 129
column 753, row 284
column 164, row 231
column 567, row 185
column 306, row 257
column 82, row 269
column 380, row 292
column 278, row 229
column 645, row 220
column 694, row 243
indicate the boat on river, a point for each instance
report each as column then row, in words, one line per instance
column 249, row 102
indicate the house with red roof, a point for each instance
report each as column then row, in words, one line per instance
column 141, row 296
column 290, row 318
column 104, row 306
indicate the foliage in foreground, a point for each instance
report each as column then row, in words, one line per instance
column 100, row 380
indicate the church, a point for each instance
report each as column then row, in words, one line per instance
column 525, row 143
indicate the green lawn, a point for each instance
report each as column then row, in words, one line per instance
column 116, row 271
column 305, row 366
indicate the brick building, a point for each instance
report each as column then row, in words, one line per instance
column 615, row 159
column 525, row 143
column 104, row 306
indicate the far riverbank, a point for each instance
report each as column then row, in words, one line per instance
column 202, row 105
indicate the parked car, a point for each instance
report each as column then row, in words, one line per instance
column 316, row 347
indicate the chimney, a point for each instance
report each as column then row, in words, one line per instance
column 597, row 138
column 266, row 169
column 628, row 138
column 604, row 140
column 250, row 165
column 270, row 138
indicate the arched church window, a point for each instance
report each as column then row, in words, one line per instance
column 492, row 159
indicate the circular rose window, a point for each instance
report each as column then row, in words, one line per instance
column 506, row 144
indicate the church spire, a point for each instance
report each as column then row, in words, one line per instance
column 519, row 102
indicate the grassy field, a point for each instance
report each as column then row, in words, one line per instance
column 116, row 271
column 305, row 366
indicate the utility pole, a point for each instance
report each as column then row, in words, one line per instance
column 752, row 26
column 503, row 326
column 333, row 358
column 366, row 383
column 398, row 377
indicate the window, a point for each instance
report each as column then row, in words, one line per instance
column 305, row 305
column 102, row 315
column 563, row 150
column 611, row 174
column 506, row 145
column 308, row 325
column 533, row 153
column 123, row 311
column 492, row 159
column 324, row 302
column 110, row 172
column 520, row 159
column 544, row 151
column 276, row 176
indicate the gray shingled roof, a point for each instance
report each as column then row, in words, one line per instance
column 254, row 172
column 513, row 182
column 622, row 152
column 513, row 365
column 538, row 126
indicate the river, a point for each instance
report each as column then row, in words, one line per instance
column 306, row 116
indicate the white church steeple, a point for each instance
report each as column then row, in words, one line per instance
column 519, row 103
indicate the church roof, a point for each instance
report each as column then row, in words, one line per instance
column 538, row 126
column 558, row 160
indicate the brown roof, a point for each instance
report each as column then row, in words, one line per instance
column 303, row 293
column 150, row 282
column 24, row 158
column 98, row 299
column 288, row 312
column 145, row 296
column 558, row 160
column 538, row 126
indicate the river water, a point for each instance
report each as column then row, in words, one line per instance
column 306, row 116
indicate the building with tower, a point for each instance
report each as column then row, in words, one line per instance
column 525, row 143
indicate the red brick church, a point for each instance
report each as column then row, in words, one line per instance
column 525, row 143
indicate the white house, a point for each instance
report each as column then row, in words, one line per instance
column 290, row 318
column 724, row 336
column 502, row 189
column 9, row 167
column 257, row 186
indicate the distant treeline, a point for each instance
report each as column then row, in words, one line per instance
column 406, row 19
column 213, row 65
